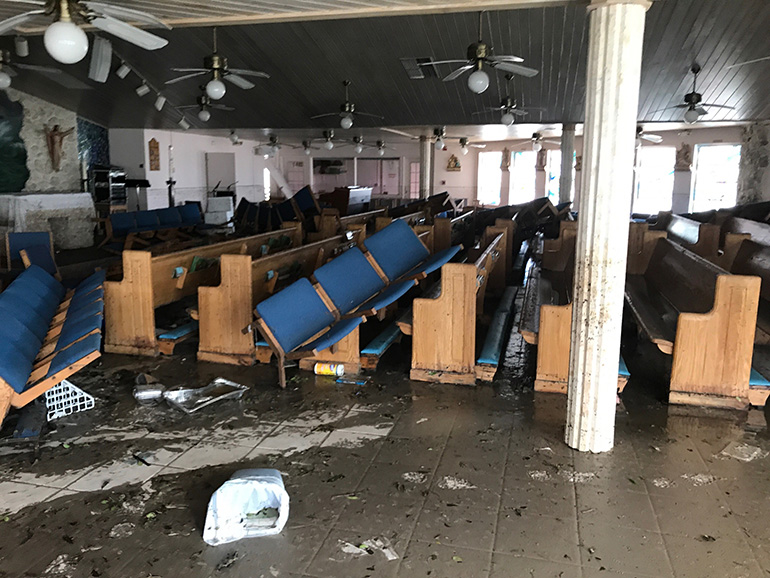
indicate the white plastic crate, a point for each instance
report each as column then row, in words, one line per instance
column 65, row 398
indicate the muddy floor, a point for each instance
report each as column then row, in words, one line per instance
column 448, row 481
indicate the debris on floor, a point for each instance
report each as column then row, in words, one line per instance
column 369, row 547
column 743, row 452
column 191, row 400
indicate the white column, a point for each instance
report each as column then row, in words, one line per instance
column 616, row 32
column 540, row 176
column 680, row 200
column 426, row 150
column 505, row 181
column 567, row 154
column 578, row 182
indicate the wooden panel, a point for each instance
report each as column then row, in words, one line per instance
column 713, row 351
column 442, row 234
column 346, row 351
column 498, row 275
column 553, row 348
column 224, row 311
column 510, row 226
column 558, row 252
column 641, row 243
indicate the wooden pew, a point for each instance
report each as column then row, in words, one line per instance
column 700, row 238
column 443, row 328
column 330, row 223
column 153, row 281
column 226, row 308
column 703, row 316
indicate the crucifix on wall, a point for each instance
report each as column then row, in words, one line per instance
column 54, row 138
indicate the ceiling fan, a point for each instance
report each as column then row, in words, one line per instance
column 537, row 141
column 641, row 135
column 693, row 101
column 216, row 65
column 464, row 144
column 347, row 111
column 204, row 106
column 67, row 43
column 9, row 70
column 753, row 61
column 478, row 55
column 508, row 109
column 440, row 135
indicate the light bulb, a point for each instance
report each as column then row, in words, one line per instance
column 233, row 137
column 65, row 42
column 478, row 81
column 122, row 70
column 307, row 151
column 142, row 89
column 5, row 80
column 691, row 116
column 328, row 145
column 439, row 144
column 346, row 121
column 204, row 115
column 22, row 46
column 464, row 149
column 507, row 118
column 381, row 152
column 183, row 123
column 215, row 89
column 359, row 149
column 160, row 102
column 537, row 146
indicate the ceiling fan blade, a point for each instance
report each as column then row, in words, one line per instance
column 190, row 69
column 238, row 81
column 443, row 62
column 478, row 146
column 656, row 138
column 16, row 21
column 324, row 116
column 484, row 111
column 9, row 69
column 519, row 112
column 66, row 80
column 747, row 62
column 513, row 68
column 186, row 76
column 222, row 107
column 700, row 110
column 129, row 33
column 188, row 106
column 399, row 132
column 709, row 105
column 356, row 113
column 33, row 2
column 244, row 72
column 126, row 14
column 670, row 108
column 36, row 68
column 457, row 73
column 553, row 142
column 506, row 58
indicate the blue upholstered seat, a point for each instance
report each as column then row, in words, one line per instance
column 24, row 297
column 396, row 249
column 92, row 282
column 147, row 221
column 436, row 261
column 339, row 331
column 22, row 337
column 169, row 218
column 305, row 201
column 122, row 224
column 40, row 255
column 19, row 241
column 391, row 294
column 14, row 306
column 191, row 214
column 78, row 351
column 15, row 367
column 295, row 314
column 82, row 299
column 74, row 329
column 349, row 280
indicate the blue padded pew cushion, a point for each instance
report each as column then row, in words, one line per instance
column 15, row 307
column 191, row 214
column 756, row 379
column 92, row 282
column 87, row 310
column 80, row 300
column 147, row 221
column 14, row 331
column 396, row 249
column 169, row 217
column 37, row 273
column 304, row 199
column 623, row 368
column 30, row 286
column 15, row 367
column 24, row 297
column 349, row 280
column 74, row 329
column 41, row 256
column 339, row 331
column 390, row 295
column 19, row 241
column 122, row 224
column 295, row 314
column 436, row 261
column 75, row 353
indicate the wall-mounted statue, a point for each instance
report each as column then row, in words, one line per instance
column 506, row 162
column 683, row 158
column 55, row 138
column 453, row 164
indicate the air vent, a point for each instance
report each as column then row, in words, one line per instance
column 417, row 72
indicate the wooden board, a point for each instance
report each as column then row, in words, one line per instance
column 558, row 252
column 553, row 348
column 345, row 351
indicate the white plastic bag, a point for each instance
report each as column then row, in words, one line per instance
column 236, row 510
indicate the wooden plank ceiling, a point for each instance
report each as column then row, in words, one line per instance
column 309, row 59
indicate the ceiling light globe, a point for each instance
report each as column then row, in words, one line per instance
column 328, row 145
column 359, row 149
column 307, row 151
column 691, row 116
column 274, row 150
column 233, row 137
column 204, row 115
column 381, row 152
column 215, row 89
column 66, row 42
column 346, row 121
column 537, row 146
column 439, row 144
column 464, row 150
column 5, row 80
column 478, row 81
column 507, row 118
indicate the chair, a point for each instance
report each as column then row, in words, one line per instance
column 40, row 245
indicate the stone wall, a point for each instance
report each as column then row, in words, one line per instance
column 754, row 175
column 38, row 113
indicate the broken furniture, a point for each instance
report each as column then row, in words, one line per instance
column 31, row 249
column 47, row 334
column 125, row 229
column 150, row 281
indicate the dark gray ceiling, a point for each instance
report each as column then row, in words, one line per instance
column 308, row 61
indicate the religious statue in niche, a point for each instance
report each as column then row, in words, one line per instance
column 453, row 164
column 578, row 163
column 541, row 160
column 54, row 138
column 154, row 149
column 13, row 154
column 505, row 164
column 683, row 158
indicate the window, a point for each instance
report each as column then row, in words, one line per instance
column 490, row 177
column 266, row 182
column 522, row 169
column 414, row 180
column 716, row 176
column 654, row 182
column 553, row 176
